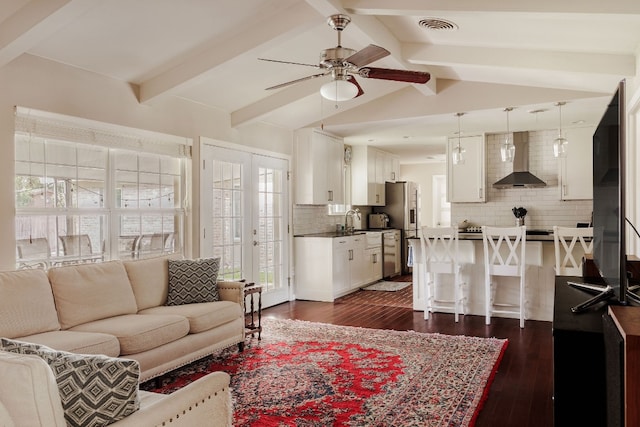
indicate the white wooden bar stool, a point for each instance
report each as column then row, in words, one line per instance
column 504, row 255
column 568, row 255
column 440, row 255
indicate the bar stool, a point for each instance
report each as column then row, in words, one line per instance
column 564, row 240
column 440, row 256
column 504, row 255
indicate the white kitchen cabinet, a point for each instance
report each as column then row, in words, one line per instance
column 575, row 170
column 319, row 160
column 369, row 170
column 391, row 168
column 327, row 268
column 466, row 182
column 374, row 261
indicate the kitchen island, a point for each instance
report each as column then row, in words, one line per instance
column 540, row 275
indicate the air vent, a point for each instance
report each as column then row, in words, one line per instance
column 437, row 24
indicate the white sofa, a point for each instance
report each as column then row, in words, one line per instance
column 118, row 309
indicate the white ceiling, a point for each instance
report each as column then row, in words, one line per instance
column 527, row 55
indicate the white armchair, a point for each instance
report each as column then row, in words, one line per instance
column 29, row 396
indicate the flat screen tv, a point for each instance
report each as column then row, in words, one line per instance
column 609, row 218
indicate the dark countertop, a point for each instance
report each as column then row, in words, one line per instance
column 536, row 236
column 334, row 234
column 532, row 236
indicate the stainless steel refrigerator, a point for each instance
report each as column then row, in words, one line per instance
column 402, row 208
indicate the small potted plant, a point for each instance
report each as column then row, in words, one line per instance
column 519, row 214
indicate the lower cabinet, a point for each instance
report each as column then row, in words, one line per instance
column 327, row 268
column 373, row 266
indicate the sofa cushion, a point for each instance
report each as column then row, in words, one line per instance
column 202, row 316
column 150, row 279
column 88, row 292
column 193, row 281
column 26, row 304
column 5, row 417
column 77, row 342
column 137, row 333
column 95, row 390
column 29, row 391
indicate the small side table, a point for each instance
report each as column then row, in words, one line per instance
column 252, row 328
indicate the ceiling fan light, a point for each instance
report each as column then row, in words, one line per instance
column 339, row 90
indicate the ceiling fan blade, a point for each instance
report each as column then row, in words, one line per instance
column 356, row 84
column 367, row 55
column 295, row 81
column 289, row 62
column 395, row 75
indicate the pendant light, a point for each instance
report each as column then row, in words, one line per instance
column 560, row 144
column 458, row 152
column 507, row 149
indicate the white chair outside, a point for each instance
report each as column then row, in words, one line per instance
column 568, row 253
column 440, row 255
column 504, row 255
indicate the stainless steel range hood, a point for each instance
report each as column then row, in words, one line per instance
column 520, row 177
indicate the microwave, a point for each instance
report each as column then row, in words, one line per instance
column 378, row 220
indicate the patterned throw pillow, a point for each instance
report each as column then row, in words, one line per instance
column 95, row 390
column 193, row 281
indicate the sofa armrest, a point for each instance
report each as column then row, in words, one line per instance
column 232, row 291
column 206, row 401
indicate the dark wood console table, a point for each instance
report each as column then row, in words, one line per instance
column 579, row 371
column 627, row 321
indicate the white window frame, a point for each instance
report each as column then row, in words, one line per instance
column 73, row 130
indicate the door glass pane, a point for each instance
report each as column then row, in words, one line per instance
column 270, row 230
column 227, row 217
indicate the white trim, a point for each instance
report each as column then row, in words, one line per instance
column 84, row 131
column 244, row 148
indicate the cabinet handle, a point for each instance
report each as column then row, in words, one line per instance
column 330, row 195
column 377, row 198
column 375, row 258
column 564, row 189
column 350, row 254
column 480, row 193
column 393, row 176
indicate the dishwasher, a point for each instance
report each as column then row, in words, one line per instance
column 391, row 253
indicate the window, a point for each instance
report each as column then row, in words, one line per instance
column 79, row 200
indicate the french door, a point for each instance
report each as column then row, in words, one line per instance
column 244, row 218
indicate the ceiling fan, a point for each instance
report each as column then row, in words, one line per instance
column 344, row 63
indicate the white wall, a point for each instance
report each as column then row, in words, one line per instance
column 423, row 175
column 45, row 85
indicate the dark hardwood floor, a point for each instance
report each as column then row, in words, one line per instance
column 521, row 393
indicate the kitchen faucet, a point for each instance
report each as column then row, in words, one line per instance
column 350, row 213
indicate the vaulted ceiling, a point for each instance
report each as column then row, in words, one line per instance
column 482, row 57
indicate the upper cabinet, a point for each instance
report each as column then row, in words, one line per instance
column 370, row 169
column 575, row 170
column 466, row 181
column 392, row 168
column 319, row 159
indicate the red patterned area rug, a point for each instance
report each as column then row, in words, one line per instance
column 315, row 374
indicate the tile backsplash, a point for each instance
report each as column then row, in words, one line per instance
column 544, row 207
column 309, row 219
